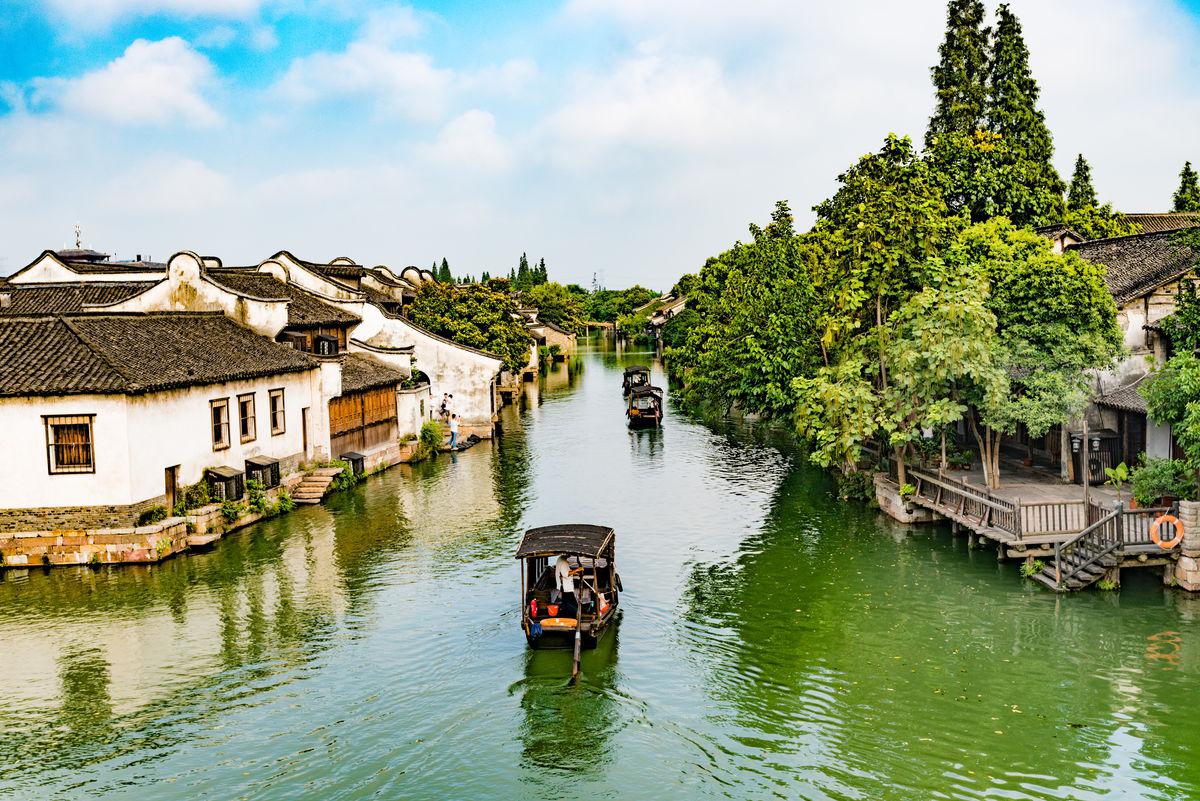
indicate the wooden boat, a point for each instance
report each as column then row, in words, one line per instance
column 645, row 407
column 547, row 617
column 636, row 375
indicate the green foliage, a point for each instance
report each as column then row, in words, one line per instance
column 1032, row 568
column 676, row 330
column 858, row 485
column 1106, row 584
column 606, row 305
column 1173, row 397
column 1187, row 196
column 1162, row 478
column 196, row 495
column 751, row 330
column 256, row 498
column 285, row 502
column 476, row 316
column 907, row 490
column 431, row 434
column 1182, row 327
column 443, row 273
column 556, row 304
column 960, row 76
column 231, row 511
column 1081, row 194
column 633, row 326
column 1117, row 476
column 346, row 478
column 837, row 410
column 152, row 515
column 524, row 278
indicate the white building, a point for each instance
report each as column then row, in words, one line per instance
column 108, row 415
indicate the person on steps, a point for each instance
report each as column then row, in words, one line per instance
column 453, row 431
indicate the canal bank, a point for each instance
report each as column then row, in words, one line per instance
column 774, row 643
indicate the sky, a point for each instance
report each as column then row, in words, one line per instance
column 622, row 140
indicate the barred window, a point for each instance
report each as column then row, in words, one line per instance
column 278, row 420
column 220, row 423
column 246, row 417
column 69, row 444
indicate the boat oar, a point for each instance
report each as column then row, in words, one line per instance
column 578, row 640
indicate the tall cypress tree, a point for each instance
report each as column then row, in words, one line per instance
column 1082, row 194
column 540, row 276
column 524, row 280
column 444, row 275
column 960, row 76
column 1187, row 196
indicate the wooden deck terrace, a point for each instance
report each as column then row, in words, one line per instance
column 1035, row 518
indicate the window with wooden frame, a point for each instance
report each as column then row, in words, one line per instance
column 69, row 444
column 246, row 417
column 219, row 413
column 278, row 419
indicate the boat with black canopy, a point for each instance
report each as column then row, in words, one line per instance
column 636, row 375
column 570, row 590
column 645, row 407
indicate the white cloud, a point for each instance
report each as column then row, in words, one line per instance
column 170, row 185
column 151, row 83
column 90, row 14
column 387, row 26
column 469, row 142
column 397, row 82
column 219, row 37
column 264, row 38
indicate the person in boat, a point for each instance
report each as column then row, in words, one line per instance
column 564, row 581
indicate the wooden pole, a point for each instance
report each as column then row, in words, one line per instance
column 1085, row 465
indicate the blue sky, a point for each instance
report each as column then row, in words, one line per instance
column 625, row 138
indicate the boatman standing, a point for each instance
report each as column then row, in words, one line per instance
column 564, row 579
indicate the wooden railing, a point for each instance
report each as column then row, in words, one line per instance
column 957, row 499
column 1102, row 537
column 1053, row 517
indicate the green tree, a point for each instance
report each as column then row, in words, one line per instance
column 960, row 76
column 872, row 238
column 477, row 316
column 1055, row 322
column 1187, row 196
column 1084, row 214
column 524, row 278
column 1182, row 327
column 540, row 275
column 484, row 277
column 1081, row 194
column 443, row 273
column 753, row 329
column 606, row 305
column 1172, row 396
column 556, row 304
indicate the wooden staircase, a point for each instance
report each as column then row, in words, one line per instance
column 1082, row 560
column 312, row 488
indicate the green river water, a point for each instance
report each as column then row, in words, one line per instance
column 773, row 643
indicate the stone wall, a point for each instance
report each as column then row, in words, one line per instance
column 95, row 546
column 75, row 517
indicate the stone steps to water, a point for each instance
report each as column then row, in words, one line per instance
column 312, row 488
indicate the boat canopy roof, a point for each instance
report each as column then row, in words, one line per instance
column 572, row 539
column 646, row 390
column 636, row 368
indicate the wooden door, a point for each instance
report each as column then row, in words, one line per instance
column 171, row 480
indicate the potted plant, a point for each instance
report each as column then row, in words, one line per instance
column 1117, row 476
column 1162, row 482
column 906, row 493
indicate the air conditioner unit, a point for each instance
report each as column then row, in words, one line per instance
column 357, row 462
column 324, row 345
column 225, row 483
column 264, row 470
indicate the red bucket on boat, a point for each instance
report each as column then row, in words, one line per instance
column 552, row 610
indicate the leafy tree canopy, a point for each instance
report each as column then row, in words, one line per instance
column 606, row 305
column 1187, row 196
column 960, row 76
column 1084, row 214
column 556, row 304
column 477, row 316
column 753, row 330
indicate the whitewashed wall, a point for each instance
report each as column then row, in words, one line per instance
column 48, row 268
column 137, row 437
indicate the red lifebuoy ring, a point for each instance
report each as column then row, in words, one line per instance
column 1169, row 544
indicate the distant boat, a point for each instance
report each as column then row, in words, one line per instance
column 645, row 407
column 636, row 375
column 550, row 620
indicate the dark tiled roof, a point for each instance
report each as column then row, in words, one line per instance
column 361, row 372
column 27, row 299
column 134, row 353
column 1056, row 231
column 81, row 254
column 1138, row 264
column 379, row 298
column 1170, row 221
column 305, row 310
column 1127, row 399
column 100, row 267
column 340, row 270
